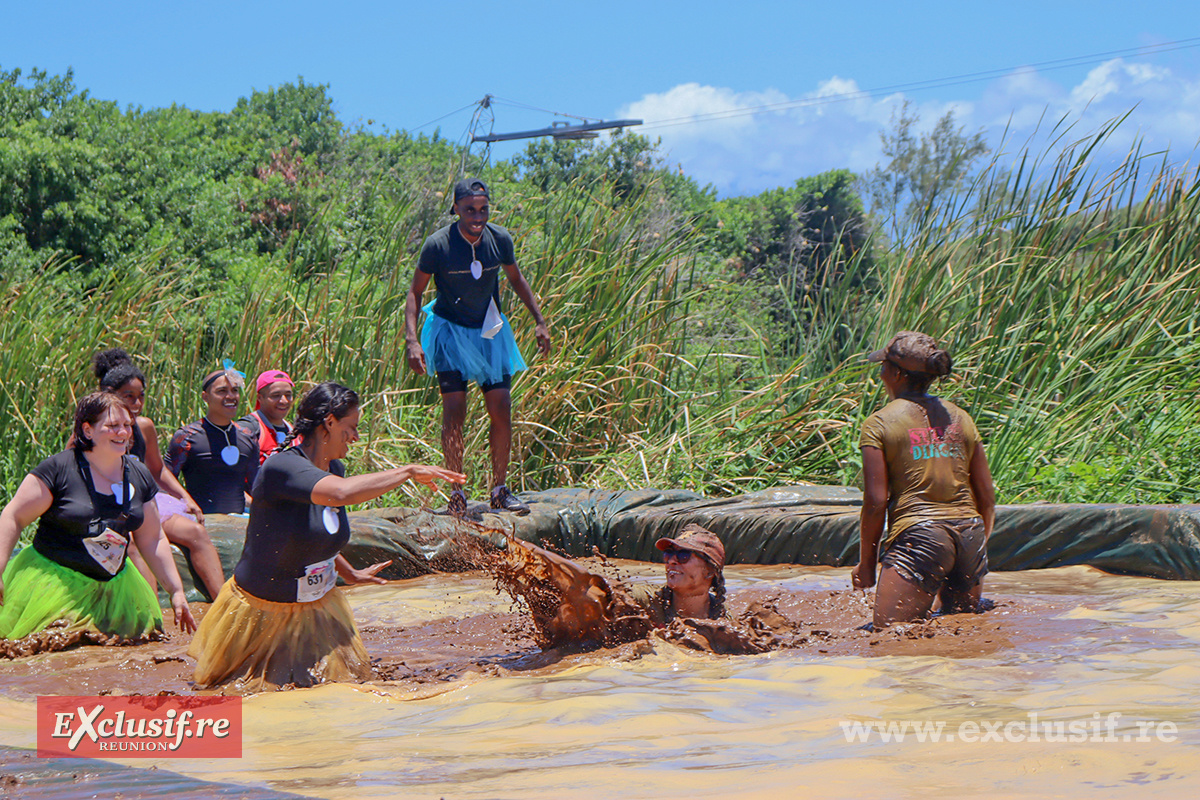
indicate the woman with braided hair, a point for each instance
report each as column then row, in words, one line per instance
column 280, row 619
column 695, row 588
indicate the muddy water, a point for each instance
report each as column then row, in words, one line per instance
column 468, row 707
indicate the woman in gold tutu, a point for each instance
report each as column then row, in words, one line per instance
column 281, row 619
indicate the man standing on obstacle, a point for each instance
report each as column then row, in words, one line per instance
column 466, row 337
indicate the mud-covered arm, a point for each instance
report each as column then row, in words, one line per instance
column 983, row 489
column 874, row 513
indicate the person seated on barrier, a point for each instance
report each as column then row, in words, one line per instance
column 585, row 608
column 217, row 457
column 280, row 619
column 181, row 518
column 924, row 467
column 275, row 396
column 89, row 500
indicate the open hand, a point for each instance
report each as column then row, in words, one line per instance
column 193, row 509
column 183, row 613
column 353, row 577
column 428, row 475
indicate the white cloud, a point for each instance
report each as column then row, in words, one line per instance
column 706, row 129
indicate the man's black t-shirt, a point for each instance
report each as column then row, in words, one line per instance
column 215, row 485
column 78, row 512
column 461, row 297
column 288, row 535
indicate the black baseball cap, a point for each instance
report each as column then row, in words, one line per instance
column 469, row 187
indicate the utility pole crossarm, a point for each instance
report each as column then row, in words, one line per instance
column 558, row 131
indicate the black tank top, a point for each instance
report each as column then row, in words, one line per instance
column 137, row 448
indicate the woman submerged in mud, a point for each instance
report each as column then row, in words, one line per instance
column 571, row 605
column 925, row 469
column 280, row 619
column 90, row 501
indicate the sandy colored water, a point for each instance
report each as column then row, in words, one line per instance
column 468, row 707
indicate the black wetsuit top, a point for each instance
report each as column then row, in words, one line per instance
column 79, row 512
column 195, row 454
column 287, row 531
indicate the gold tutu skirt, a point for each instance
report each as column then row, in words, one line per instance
column 257, row 645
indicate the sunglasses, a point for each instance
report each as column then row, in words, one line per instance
column 680, row 556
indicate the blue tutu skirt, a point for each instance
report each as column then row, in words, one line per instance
column 449, row 347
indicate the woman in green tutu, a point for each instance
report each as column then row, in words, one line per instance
column 89, row 501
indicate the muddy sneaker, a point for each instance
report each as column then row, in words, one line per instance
column 504, row 500
column 457, row 506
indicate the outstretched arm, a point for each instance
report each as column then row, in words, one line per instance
column 874, row 511
column 521, row 287
column 334, row 491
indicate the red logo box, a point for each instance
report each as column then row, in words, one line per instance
column 139, row 727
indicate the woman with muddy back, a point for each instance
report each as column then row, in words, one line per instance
column 89, row 500
column 181, row 517
column 280, row 619
column 925, row 470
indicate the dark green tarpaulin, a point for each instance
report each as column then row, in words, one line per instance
column 814, row 525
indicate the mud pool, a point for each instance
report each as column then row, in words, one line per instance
column 467, row 707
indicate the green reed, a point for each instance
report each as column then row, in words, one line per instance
column 1066, row 293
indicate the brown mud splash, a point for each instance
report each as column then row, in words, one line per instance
column 572, row 607
column 65, row 635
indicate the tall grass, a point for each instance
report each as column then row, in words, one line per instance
column 1066, row 293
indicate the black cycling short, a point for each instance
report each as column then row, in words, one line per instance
column 453, row 381
column 949, row 553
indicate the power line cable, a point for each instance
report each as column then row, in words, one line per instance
column 442, row 117
column 515, row 104
column 933, row 83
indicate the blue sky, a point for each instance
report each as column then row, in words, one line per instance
column 402, row 65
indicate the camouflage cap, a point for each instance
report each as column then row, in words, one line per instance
column 698, row 540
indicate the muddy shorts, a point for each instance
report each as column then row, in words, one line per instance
column 950, row 553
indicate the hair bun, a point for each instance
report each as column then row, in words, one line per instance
column 939, row 363
column 106, row 360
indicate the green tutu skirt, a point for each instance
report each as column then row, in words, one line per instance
column 41, row 595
